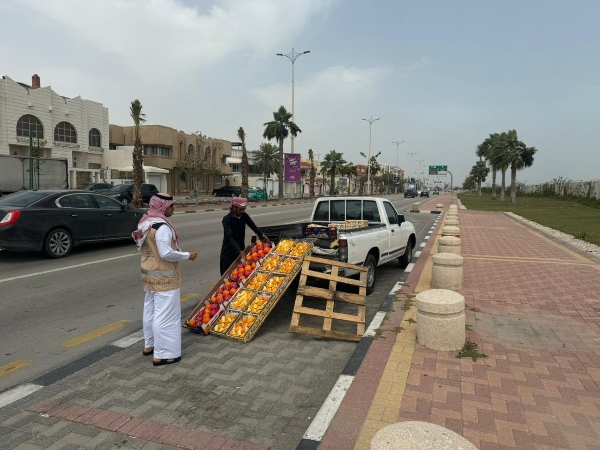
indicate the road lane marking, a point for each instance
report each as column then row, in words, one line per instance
column 375, row 324
column 11, row 396
column 75, row 266
column 189, row 296
column 321, row 422
column 128, row 341
column 94, row 334
column 15, row 365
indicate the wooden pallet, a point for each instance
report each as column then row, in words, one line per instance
column 331, row 295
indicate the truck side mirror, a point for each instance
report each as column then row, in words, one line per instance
column 401, row 219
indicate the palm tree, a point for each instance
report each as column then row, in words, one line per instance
column 135, row 111
column 332, row 164
column 518, row 156
column 312, row 173
column 266, row 161
column 479, row 172
column 498, row 159
column 280, row 128
column 242, row 135
column 350, row 171
column 484, row 150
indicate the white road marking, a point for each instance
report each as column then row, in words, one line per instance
column 60, row 269
column 17, row 393
column 423, row 244
column 409, row 268
column 427, row 237
column 128, row 341
column 321, row 422
column 417, row 254
column 375, row 324
column 397, row 287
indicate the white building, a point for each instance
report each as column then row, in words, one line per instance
column 254, row 180
column 118, row 163
column 72, row 128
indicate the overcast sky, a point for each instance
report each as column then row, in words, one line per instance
column 441, row 74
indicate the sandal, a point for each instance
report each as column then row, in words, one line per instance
column 149, row 352
column 162, row 362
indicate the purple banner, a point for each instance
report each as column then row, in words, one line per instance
column 291, row 168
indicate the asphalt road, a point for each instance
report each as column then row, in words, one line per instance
column 54, row 311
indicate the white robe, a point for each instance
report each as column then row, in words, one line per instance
column 162, row 310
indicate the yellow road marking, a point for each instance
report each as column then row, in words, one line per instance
column 11, row 367
column 94, row 334
column 189, row 296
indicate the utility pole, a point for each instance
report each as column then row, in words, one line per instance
column 411, row 156
column 397, row 161
column 370, row 120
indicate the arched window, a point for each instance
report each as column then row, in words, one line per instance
column 95, row 139
column 191, row 150
column 65, row 132
column 29, row 122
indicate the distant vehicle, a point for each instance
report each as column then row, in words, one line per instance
column 123, row 193
column 436, row 192
column 93, row 186
column 256, row 194
column 410, row 190
column 54, row 221
column 424, row 193
column 227, row 191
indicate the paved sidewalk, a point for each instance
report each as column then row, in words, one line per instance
column 533, row 308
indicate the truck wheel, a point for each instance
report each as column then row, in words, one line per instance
column 371, row 266
column 408, row 255
column 58, row 243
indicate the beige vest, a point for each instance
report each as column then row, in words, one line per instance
column 158, row 275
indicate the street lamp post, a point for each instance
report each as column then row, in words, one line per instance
column 397, row 161
column 419, row 170
column 370, row 120
column 293, row 56
column 411, row 155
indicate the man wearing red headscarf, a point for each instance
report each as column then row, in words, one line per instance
column 158, row 242
column 234, row 232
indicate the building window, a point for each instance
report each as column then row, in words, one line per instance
column 191, row 150
column 157, row 150
column 112, row 146
column 65, row 132
column 235, row 168
column 95, row 140
column 29, row 122
column 182, row 177
column 224, row 160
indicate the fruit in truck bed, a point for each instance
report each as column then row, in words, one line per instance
column 287, row 265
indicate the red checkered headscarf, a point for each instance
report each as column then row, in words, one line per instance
column 156, row 214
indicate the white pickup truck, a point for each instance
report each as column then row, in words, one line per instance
column 387, row 237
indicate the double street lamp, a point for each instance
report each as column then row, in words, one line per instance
column 370, row 120
column 293, row 56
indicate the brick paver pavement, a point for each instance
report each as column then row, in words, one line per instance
column 533, row 309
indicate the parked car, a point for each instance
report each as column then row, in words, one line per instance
column 424, row 193
column 227, row 191
column 257, row 194
column 387, row 236
column 54, row 221
column 123, row 193
column 93, row 186
column 436, row 192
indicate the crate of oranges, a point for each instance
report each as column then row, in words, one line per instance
column 284, row 246
column 270, row 263
column 223, row 324
column 255, row 282
column 261, row 304
column 244, row 328
column 289, row 266
column 300, row 248
column 241, row 300
column 275, row 284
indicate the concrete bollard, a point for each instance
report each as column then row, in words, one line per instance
column 452, row 212
column 450, row 230
column 439, row 206
column 447, row 271
column 441, row 319
column 416, row 207
column 414, row 435
column 451, row 222
column 453, row 208
column 449, row 244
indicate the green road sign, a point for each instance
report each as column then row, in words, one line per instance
column 433, row 170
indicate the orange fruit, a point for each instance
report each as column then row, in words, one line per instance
column 248, row 258
column 235, row 272
column 259, row 244
column 192, row 322
column 232, row 291
column 225, row 292
column 212, row 300
column 254, row 255
column 228, row 283
column 254, row 265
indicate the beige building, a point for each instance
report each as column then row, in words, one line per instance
column 163, row 146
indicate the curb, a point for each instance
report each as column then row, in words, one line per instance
column 314, row 434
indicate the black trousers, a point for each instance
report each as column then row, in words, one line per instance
column 226, row 261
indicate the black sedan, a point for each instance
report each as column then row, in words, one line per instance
column 93, row 186
column 123, row 193
column 55, row 221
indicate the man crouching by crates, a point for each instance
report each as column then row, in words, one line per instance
column 158, row 242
